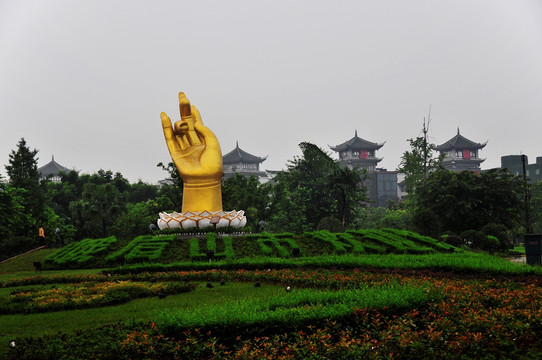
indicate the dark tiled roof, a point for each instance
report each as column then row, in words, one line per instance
column 459, row 142
column 52, row 168
column 357, row 143
column 237, row 155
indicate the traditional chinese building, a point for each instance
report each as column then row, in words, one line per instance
column 461, row 154
column 52, row 170
column 241, row 162
column 360, row 153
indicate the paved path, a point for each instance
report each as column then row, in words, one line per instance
column 520, row 259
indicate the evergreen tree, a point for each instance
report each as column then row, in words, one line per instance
column 23, row 174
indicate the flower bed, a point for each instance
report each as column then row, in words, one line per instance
column 475, row 318
column 85, row 295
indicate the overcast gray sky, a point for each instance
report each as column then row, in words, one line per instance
column 85, row 81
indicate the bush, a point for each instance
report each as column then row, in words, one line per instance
column 16, row 245
column 501, row 233
column 426, row 222
column 478, row 240
column 331, row 224
column 453, row 240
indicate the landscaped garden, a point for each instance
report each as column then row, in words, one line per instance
column 359, row 294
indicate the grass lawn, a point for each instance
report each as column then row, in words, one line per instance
column 20, row 325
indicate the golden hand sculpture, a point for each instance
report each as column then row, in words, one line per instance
column 196, row 153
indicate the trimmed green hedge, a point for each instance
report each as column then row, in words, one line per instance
column 143, row 248
column 211, row 239
column 80, row 252
column 148, row 248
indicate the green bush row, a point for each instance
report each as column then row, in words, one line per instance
column 324, row 235
column 143, row 248
column 290, row 310
column 80, row 252
column 211, row 238
column 423, row 240
column 150, row 248
column 280, row 243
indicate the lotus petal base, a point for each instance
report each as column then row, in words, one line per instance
column 190, row 220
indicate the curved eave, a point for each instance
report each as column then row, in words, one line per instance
column 346, row 146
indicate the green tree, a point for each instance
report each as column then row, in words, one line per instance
column 242, row 193
column 138, row 217
column 174, row 190
column 23, row 174
column 14, row 220
column 536, row 206
column 312, row 188
column 467, row 201
column 417, row 164
column 97, row 210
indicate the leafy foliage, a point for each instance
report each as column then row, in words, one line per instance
column 143, row 248
column 312, row 188
column 242, row 193
column 417, row 164
column 458, row 201
column 80, row 252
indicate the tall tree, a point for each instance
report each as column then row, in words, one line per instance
column 14, row 221
column 174, row 190
column 459, row 201
column 418, row 163
column 242, row 193
column 23, row 174
column 314, row 187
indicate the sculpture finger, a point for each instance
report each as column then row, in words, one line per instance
column 169, row 135
column 209, row 138
column 187, row 117
column 180, row 130
column 184, row 106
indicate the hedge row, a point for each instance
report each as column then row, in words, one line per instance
column 143, row 248
column 80, row 252
column 173, row 248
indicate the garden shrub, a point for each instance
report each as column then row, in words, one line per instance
column 211, row 241
column 478, row 240
column 331, row 224
column 324, row 235
column 276, row 245
column 420, row 239
column 81, row 252
column 355, row 245
column 143, row 248
column 453, row 240
column 426, row 222
column 501, row 233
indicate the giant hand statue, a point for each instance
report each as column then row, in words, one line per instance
column 196, row 153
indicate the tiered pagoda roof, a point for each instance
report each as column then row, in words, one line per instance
column 459, row 142
column 356, row 143
column 52, row 169
column 238, row 155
